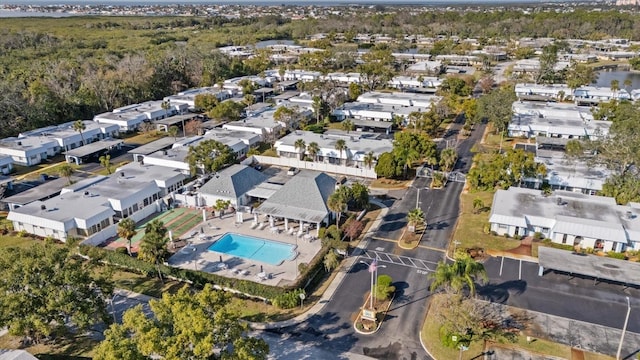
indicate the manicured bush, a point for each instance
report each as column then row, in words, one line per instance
column 289, row 299
column 537, row 235
column 617, row 255
column 384, row 289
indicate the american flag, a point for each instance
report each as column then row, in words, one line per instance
column 373, row 266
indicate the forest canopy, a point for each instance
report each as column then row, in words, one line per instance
column 56, row 70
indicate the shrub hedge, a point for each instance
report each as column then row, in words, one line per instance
column 196, row 278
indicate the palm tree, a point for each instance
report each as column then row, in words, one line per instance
column 414, row 119
column 368, row 159
column 313, row 149
column 432, row 160
column 448, row 159
column 347, row 125
column 66, row 170
column 301, row 146
column 105, row 161
column 173, row 131
column 331, row 260
column 79, row 126
column 615, row 86
column 127, row 230
column 336, row 204
column 627, row 84
column 415, row 217
column 153, row 248
column 317, row 107
column 165, row 105
column 458, row 275
column 341, row 146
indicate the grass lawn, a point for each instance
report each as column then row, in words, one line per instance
column 431, row 337
column 383, row 183
column 470, row 229
column 77, row 348
column 103, row 171
column 142, row 138
column 16, row 241
column 151, row 286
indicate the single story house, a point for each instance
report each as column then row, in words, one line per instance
column 568, row 218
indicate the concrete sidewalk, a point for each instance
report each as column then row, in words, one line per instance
column 331, row 289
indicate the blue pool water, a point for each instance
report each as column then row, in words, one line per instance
column 253, row 248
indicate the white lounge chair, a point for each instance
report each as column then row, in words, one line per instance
column 245, row 272
column 254, row 225
column 262, row 226
column 291, row 230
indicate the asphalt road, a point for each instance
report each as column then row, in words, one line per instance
column 561, row 294
column 398, row 337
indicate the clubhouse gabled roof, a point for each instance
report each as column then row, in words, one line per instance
column 304, row 198
column 233, row 181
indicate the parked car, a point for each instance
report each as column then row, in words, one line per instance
column 292, row 171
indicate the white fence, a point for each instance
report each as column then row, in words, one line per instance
column 316, row 166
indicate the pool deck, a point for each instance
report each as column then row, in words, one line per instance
column 195, row 256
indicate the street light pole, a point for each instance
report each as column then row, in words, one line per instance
column 624, row 329
column 417, row 197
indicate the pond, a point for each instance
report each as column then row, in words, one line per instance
column 605, row 77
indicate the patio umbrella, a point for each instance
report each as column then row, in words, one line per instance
column 220, row 258
column 261, row 268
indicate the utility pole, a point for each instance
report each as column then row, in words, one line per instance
column 624, row 329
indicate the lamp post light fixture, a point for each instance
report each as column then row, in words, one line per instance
column 624, row 329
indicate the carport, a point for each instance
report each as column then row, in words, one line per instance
column 78, row 154
column 597, row 267
column 165, row 124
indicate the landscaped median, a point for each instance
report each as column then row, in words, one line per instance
column 369, row 321
column 438, row 340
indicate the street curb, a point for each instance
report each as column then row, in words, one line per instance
column 335, row 284
column 424, row 347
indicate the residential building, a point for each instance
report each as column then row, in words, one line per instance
column 399, row 98
column 68, row 138
column 358, row 145
column 567, row 218
column 129, row 117
column 593, row 95
column 6, row 165
column 32, row 147
column 176, row 157
column 29, row 151
column 541, row 92
column 532, row 66
column 82, row 210
column 558, row 120
column 188, row 97
column 426, row 67
column 414, row 82
column 570, row 175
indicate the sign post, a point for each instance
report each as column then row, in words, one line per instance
column 302, row 296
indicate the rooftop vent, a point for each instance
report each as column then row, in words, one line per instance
column 559, row 201
column 19, row 143
column 86, row 193
column 43, row 207
column 629, row 215
column 122, row 174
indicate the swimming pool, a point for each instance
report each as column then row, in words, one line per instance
column 252, row 248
